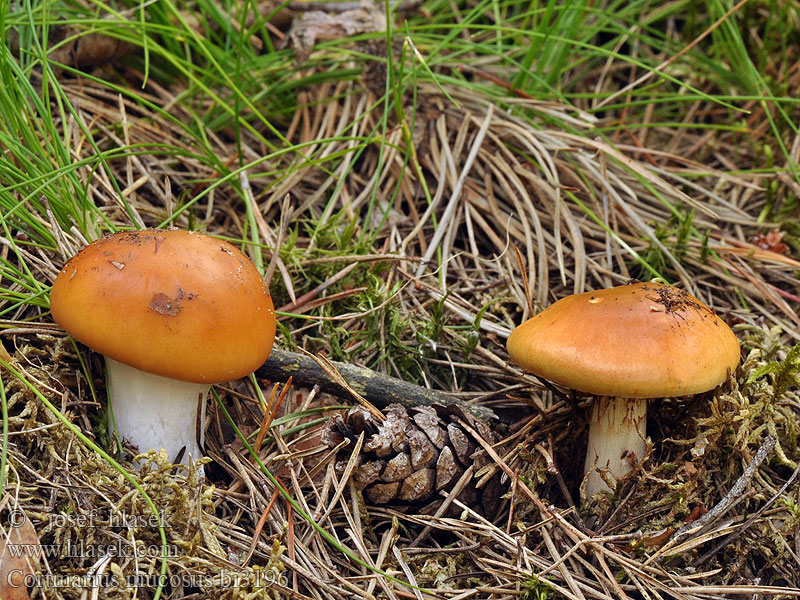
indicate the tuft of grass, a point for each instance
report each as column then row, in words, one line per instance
column 674, row 237
column 208, row 123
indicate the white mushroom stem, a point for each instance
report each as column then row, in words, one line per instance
column 154, row 412
column 617, row 430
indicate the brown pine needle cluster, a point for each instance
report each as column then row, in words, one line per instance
column 390, row 234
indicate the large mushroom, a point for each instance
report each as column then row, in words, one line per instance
column 173, row 312
column 624, row 345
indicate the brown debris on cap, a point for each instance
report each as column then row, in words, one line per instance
column 175, row 303
column 642, row 340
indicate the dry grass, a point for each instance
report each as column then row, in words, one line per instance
column 585, row 215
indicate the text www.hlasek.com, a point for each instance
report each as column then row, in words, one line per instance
column 226, row 579
column 124, row 549
column 120, row 548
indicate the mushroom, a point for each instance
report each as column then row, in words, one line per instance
column 173, row 312
column 626, row 344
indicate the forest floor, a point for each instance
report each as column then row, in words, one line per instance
column 409, row 208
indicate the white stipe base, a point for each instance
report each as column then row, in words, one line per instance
column 154, row 412
column 617, row 432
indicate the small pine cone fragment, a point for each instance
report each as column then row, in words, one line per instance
column 423, row 452
column 391, row 436
column 398, row 469
column 382, row 493
column 460, row 443
column 448, row 469
column 429, row 423
column 369, row 472
column 418, row 487
column 415, row 454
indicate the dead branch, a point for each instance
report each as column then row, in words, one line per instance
column 377, row 388
column 733, row 496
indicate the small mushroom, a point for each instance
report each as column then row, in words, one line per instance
column 173, row 312
column 626, row 344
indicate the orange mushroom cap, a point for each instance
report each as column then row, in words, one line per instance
column 642, row 340
column 175, row 303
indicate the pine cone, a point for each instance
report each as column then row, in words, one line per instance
column 410, row 458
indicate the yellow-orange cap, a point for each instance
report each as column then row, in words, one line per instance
column 643, row 340
column 175, row 303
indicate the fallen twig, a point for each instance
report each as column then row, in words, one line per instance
column 377, row 388
column 732, row 497
column 755, row 516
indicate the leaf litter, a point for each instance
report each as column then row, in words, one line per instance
column 585, row 214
